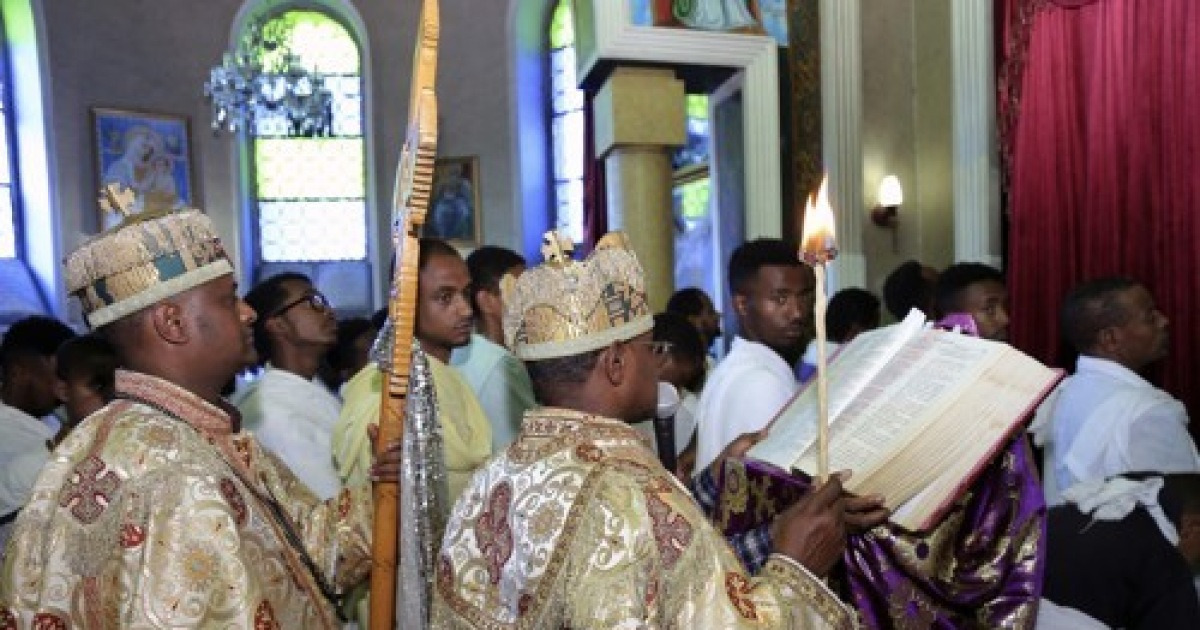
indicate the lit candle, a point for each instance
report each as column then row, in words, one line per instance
column 818, row 247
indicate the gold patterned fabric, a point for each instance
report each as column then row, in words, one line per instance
column 154, row 514
column 148, row 257
column 565, row 307
column 577, row 525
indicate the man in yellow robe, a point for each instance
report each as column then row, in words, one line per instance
column 577, row 524
column 158, row 511
column 444, row 322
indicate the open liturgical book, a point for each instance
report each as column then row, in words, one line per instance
column 914, row 412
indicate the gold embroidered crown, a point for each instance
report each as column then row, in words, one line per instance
column 150, row 256
column 564, row 307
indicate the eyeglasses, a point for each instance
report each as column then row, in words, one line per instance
column 660, row 349
column 316, row 300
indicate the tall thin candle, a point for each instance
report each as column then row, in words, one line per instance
column 817, row 248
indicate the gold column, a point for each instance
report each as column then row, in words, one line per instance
column 639, row 120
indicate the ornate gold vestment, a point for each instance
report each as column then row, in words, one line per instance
column 578, row 525
column 154, row 514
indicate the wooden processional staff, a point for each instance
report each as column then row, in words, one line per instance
column 414, row 179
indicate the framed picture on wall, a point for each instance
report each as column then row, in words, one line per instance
column 149, row 153
column 454, row 201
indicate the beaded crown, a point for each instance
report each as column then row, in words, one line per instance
column 567, row 307
column 148, row 257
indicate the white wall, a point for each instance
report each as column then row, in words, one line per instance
column 155, row 56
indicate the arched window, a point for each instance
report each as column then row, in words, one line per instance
column 566, row 123
column 309, row 192
column 10, row 212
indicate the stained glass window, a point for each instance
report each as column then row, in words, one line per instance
column 566, row 123
column 695, row 148
column 311, row 191
column 8, row 209
column 694, row 245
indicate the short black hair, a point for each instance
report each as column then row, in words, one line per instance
column 91, row 357
column 688, row 302
column 487, row 265
column 905, row 289
column 551, row 376
column 35, row 336
column 1090, row 308
column 956, row 278
column 683, row 336
column 265, row 298
column 751, row 256
column 430, row 247
column 850, row 307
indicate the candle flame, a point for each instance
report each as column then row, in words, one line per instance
column 817, row 244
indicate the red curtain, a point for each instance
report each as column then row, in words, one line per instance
column 1104, row 162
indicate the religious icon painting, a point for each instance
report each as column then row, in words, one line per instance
column 454, row 202
column 148, row 153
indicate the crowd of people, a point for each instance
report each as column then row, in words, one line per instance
column 174, row 492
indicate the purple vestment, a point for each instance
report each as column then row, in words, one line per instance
column 980, row 567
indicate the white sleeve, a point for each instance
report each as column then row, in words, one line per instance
column 745, row 406
column 1159, row 441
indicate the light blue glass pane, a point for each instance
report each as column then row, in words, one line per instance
column 8, row 226
column 572, row 153
column 312, row 230
column 558, row 136
column 561, row 78
column 322, row 168
column 562, row 205
column 5, row 166
column 694, row 258
column 570, row 208
column 347, row 104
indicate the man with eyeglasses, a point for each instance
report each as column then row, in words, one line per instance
column 288, row 408
column 577, row 524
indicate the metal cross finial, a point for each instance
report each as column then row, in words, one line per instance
column 117, row 198
column 557, row 247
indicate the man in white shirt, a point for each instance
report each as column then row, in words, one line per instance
column 772, row 298
column 288, row 408
column 1106, row 419
column 496, row 376
column 27, row 393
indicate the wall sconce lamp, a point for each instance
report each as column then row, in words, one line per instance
column 891, row 197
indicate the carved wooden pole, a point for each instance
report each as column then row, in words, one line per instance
column 414, row 179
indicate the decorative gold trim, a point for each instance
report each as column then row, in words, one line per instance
column 161, row 291
column 580, row 345
column 811, row 589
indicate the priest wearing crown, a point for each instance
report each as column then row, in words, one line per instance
column 158, row 511
column 577, row 524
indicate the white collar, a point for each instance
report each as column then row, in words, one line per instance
column 1106, row 367
column 24, row 422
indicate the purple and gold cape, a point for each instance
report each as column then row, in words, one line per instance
column 980, row 567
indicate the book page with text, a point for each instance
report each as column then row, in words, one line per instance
column 924, row 378
column 794, row 428
column 924, row 478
